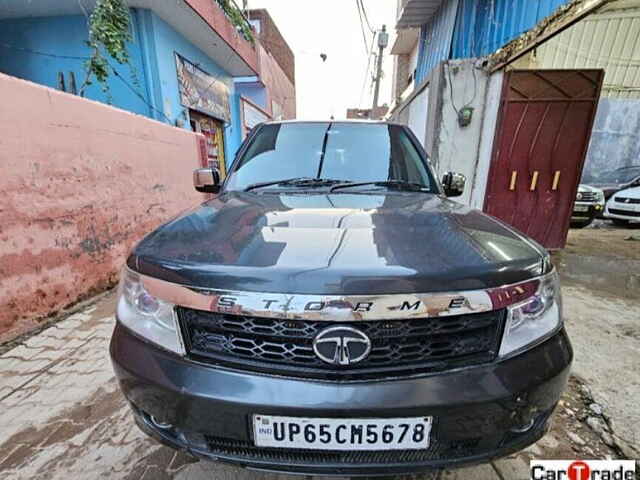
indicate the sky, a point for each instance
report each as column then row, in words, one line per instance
column 310, row 28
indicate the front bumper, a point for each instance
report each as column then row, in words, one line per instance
column 629, row 212
column 592, row 211
column 480, row 413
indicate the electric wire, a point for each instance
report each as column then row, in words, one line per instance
column 45, row 54
column 366, row 17
column 364, row 35
column 366, row 73
column 85, row 58
column 473, row 67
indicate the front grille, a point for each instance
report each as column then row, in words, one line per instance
column 290, row 456
column 627, row 200
column 627, row 213
column 588, row 197
column 286, row 346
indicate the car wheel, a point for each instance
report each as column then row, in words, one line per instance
column 582, row 223
column 619, row 222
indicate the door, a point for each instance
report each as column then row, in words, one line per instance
column 213, row 131
column 543, row 132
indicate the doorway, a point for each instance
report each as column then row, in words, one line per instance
column 544, row 127
column 213, row 131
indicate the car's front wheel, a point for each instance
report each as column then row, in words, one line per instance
column 619, row 222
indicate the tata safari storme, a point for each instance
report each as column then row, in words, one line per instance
column 331, row 311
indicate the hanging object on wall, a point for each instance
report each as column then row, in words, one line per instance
column 252, row 115
column 201, row 91
column 464, row 116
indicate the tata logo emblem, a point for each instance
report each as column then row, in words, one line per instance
column 341, row 345
column 627, row 200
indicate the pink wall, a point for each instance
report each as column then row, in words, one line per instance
column 211, row 13
column 279, row 87
column 80, row 182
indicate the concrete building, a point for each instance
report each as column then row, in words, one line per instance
column 184, row 57
column 366, row 113
column 465, row 82
column 272, row 94
column 607, row 39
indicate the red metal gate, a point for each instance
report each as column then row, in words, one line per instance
column 543, row 132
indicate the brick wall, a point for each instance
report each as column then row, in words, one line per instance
column 274, row 42
column 80, row 183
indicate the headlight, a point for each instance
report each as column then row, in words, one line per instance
column 600, row 196
column 146, row 315
column 535, row 318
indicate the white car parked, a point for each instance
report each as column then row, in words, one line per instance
column 624, row 206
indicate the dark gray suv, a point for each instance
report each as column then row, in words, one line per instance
column 330, row 311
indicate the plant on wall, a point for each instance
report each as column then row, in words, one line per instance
column 234, row 14
column 109, row 30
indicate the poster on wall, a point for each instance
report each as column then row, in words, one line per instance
column 252, row 115
column 201, row 91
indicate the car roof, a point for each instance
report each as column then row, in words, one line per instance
column 348, row 120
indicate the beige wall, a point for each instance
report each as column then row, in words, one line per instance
column 80, row 183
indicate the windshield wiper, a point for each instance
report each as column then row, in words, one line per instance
column 298, row 182
column 399, row 184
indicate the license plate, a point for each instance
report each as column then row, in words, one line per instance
column 580, row 208
column 342, row 434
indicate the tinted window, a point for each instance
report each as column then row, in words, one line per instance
column 356, row 152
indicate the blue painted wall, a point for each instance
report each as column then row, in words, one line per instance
column 164, row 78
column 254, row 92
column 234, row 134
column 24, row 41
column 36, row 49
column 475, row 28
column 435, row 39
column 483, row 26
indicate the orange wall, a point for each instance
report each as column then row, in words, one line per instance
column 80, row 183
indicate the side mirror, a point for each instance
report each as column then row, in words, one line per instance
column 206, row 180
column 453, row 184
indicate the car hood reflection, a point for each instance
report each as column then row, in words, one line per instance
column 335, row 244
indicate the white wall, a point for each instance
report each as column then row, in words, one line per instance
column 418, row 114
column 478, row 183
column 467, row 150
column 413, row 59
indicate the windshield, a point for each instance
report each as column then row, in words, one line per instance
column 620, row 175
column 350, row 152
